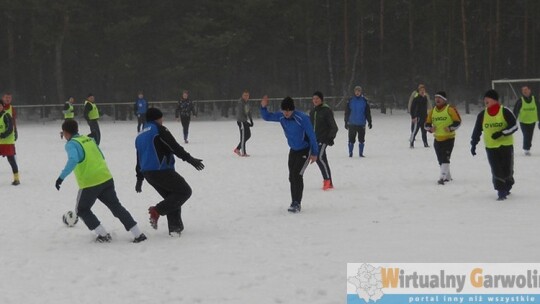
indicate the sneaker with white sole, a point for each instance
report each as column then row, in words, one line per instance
column 104, row 238
column 140, row 238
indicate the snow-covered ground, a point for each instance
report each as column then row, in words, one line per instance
column 240, row 244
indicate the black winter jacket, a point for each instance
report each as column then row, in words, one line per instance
column 324, row 124
column 166, row 146
column 419, row 107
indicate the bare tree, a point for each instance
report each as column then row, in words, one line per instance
column 357, row 52
column 345, row 36
column 329, row 47
column 11, row 50
column 465, row 47
column 381, row 40
column 411, row 40
column 525, row 37
column 58, row 47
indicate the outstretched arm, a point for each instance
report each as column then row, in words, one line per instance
column 268, row 116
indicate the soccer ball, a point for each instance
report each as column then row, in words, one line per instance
column 70, row 218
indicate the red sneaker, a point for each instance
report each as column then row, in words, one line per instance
column 237, row 152
column 154, row 216
column 327, row 184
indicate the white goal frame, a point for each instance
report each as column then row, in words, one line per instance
column 528, row 81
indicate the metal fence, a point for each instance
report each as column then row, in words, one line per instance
column 206, row 109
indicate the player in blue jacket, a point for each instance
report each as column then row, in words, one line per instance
column 156, row 149
column 357, row 112
column 141, row 106
column 302, row 142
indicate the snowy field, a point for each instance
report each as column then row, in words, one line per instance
column 240, row 244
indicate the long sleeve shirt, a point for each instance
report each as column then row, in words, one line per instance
column 478, row 126
column 357, row 111
column 324, row 124
column 454, row 115
column 298, row 129
column 157, row 144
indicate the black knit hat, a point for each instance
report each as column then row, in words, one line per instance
column 441, row 94
column 71, row 126
column 153, row 114
column 492, row 94
column 319, row 94
column 287, row 104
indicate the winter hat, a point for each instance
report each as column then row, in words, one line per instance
column 441, row 94
column 153, row 114
column 287, row 104
column 492, row 94
column 319, row 94
column 357, row 88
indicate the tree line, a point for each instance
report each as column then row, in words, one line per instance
column 54, row 49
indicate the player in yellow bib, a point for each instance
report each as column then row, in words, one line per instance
column 7, row 144
column 95, row 182
column 68, row 111
column 498, row 124
column 527, row 110
column 7, row 141
column 91, row 114
column 443, row 121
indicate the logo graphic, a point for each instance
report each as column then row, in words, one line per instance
column 368, row 283
column 443, row 283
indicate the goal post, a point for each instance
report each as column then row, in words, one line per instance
column 510, row 89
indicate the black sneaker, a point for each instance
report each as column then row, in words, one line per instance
column 104, row 238
column 411, row 144
column 426, row 145
column 441, row 181
column 16, row 182
column 295, row 207
column 502, row 195
column 140, row 238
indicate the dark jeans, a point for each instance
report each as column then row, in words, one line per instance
column 175, row 192
column 443, row 150
column 94, row 130
column 501, row 161
column 245, row 135
column 185, row 120
column 107, row 195
column 356, row 130
column 528, row 131
column 298, row 161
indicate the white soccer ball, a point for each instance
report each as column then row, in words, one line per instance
column 70, row 218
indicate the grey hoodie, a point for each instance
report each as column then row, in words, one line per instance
column 243, row 111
